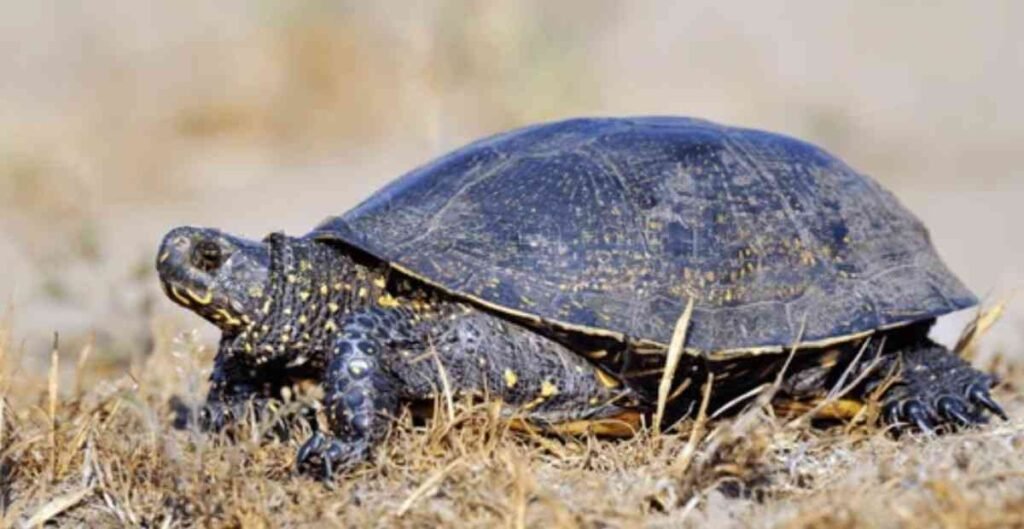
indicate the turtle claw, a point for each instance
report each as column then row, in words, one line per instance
column 916, row 412
column 313, row 445
column 981, row 397
column 323, row 455
column 954, row 410
column 891, row 414
column 948, row 412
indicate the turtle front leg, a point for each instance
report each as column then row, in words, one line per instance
column 235, row 391
column 934, row 388
column 360, row 397
column 383, row 356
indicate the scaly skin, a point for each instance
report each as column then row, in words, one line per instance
column 293, row 308
column 315, row 312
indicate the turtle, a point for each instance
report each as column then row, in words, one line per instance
column 547, row 268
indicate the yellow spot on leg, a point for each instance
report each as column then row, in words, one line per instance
column 510, row 378
column 548, row 389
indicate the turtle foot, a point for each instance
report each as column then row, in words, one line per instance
column 324, row 456
column 938, row 391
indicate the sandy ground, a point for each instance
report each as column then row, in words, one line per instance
column 122, row 120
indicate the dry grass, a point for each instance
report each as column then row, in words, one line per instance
column 101, row 452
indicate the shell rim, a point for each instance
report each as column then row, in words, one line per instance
column 722, row 354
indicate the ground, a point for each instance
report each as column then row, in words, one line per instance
column 85, row 446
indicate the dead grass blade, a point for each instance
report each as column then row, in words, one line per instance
column 446, row 388
column 768, row 392
column 697, row 433
column 56, row 506
column 981, row 323
column 83, row 357
column 841, row 388
column 736, row 401
column 52, row 393
column 765, row 398
column 675, row 352
column 433, row 481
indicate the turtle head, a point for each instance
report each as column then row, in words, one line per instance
column 220, row 277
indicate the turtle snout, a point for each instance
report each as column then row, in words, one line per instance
column 185, row 261
column 216, row 275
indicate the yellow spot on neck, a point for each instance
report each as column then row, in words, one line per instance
column 181, row 299
column 228, row 318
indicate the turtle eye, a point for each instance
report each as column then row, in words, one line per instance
column 207, row 256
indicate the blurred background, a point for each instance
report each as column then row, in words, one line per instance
column 122, row 119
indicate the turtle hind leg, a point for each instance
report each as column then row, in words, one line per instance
column 935, row 388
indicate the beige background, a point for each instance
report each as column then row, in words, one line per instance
column 121, row 119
